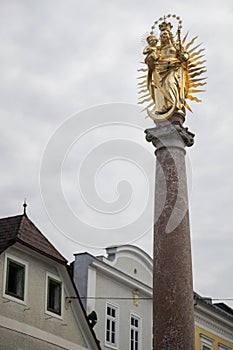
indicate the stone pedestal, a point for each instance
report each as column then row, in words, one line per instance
column 173, row 309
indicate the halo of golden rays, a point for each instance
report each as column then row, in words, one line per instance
column 194, row 68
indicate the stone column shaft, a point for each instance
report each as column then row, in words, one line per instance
column 173, row 309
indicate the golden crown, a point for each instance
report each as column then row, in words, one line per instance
column 164, row 25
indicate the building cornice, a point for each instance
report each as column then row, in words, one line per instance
column 213, row 323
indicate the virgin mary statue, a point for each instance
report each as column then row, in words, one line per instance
column 171, row 69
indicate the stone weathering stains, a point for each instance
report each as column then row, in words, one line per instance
column 173, row 311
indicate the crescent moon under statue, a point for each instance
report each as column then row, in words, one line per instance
column 157, row 116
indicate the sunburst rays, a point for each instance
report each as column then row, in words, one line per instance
column 194, row 68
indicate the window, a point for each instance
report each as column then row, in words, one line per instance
column 206, row 343
column 134, row 332
column 223, row 347
column 206, row 347
column 15, row 274
column 111, row 325
column 54, row 295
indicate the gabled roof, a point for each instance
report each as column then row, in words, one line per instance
column 21, row 229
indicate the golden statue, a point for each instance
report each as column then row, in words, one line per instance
column 172, row 68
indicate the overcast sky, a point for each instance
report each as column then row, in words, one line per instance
column 80, row 59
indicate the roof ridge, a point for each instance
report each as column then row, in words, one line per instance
column 20, row 226
column 10, row 217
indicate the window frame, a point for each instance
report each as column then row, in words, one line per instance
column 112, row 319
column 137, row 329
column 20, row 262
column 205, row 346
column 223, row 347
column 49, row 311
column 207, row 342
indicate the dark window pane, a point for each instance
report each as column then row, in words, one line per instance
column 113, row 313
column 113, row 338
column 136, row 322
column 108, row 311
column 54, row 296
column 15, row 279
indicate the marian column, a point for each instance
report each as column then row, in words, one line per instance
column 173, row 314
column 172, row 67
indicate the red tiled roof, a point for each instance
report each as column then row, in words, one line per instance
column 21, row 229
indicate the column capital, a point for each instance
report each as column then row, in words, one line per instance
column 168, row 134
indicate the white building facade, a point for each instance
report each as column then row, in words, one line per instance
column 118, row 288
